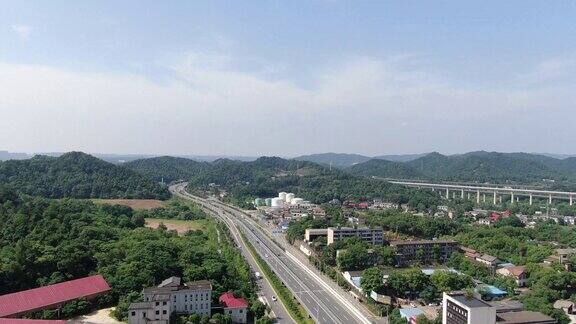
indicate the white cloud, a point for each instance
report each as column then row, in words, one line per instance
column 23, row 31
column 357, row 105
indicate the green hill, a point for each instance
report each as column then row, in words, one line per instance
column 338, row 160
column 384, row 169
column 77, row 175
column 166, row 168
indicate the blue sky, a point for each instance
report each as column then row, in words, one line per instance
column 287, row 77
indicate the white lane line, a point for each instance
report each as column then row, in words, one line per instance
column 351, row 307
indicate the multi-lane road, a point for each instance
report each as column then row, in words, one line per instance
column 322, row 301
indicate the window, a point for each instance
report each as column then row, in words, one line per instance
column 157, row 303
column 133, row 313
column 185, row 307
column 157, row 312
column 241, row 311
column 164, row 303
column 229, row 311
column 164, row 312
column 143, row 314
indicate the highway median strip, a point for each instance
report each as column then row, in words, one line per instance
column 296, row 311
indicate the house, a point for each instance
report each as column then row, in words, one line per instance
column 236, row 308
column 567, row 306
column 516, row 272
column 489, row 292
column 488, row 260
column 171, row 297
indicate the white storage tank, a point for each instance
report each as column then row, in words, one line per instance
column 297, row 201
column 289, row 197
column 277, row 202
column 282, row 195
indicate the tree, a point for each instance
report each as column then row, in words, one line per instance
column 385, row 256
column 258, row 309
column 372, row 280
column 396, row 318
column 355, row 257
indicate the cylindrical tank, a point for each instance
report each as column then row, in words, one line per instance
column 289, row 197
column 259, row 202
column 297, row 201
column 268, row 201
column 282, row 195
column 277, row 202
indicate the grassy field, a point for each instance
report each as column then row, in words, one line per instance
column 181, row 226
column 136, row 204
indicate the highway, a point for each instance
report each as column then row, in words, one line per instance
column 322, row 302
column 266, row 292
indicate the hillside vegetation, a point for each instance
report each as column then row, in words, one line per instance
column 266, row 176
column 45, row 241
column 77, row 175
column 492, row 167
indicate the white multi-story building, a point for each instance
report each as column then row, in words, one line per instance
column 171, row 297
column 458, row 308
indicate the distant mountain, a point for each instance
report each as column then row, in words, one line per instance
column 481, row 166
column 77, row 175
column 401, row 157
column 384, row 169
column 338, row 160
column 5, row 155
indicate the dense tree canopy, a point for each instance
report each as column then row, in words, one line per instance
column 77, row 175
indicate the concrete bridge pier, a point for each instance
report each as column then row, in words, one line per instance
column 484, row 197
column 447, row 193
column 571, row 201
column 495, row 202
column 511, row 197
column 550, row 199
column 462, row 194
column 531, row 199
column 478, row 196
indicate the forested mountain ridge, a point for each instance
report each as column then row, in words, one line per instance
column 77, row 175
column 167, row 168
column 492, row 167
column 384, row 168
column 339, row 160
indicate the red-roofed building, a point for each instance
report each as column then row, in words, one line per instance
column 29, row 321
column 52, row 296
column 237, row 308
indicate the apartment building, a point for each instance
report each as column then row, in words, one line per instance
column 171, row 297
column 373, row 236
column 424, row 251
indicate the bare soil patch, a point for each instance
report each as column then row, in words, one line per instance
column 136, row 204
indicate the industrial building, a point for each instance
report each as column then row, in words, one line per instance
column 171, row 297
column 51, row 297
column 372, row 236
column 424, row 251
column 310, row 234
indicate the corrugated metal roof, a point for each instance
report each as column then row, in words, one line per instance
column 49, row 296
column 29, row 321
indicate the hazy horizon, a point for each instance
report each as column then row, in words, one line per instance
column 287, row 78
